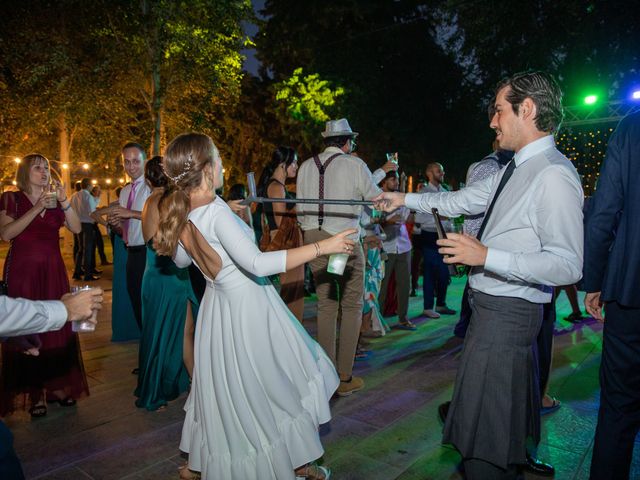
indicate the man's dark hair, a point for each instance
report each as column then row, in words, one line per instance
column 545, row 93
column 78, row 186
column 237, row 192
column 85, row 182
column 154, row 174
column 138, row 146
column 337, row 141
column 390, row 174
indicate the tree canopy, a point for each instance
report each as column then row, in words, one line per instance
column 78, row 79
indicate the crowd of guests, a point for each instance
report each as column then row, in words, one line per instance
column 214, row 290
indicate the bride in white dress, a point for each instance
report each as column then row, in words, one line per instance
column 261, row 385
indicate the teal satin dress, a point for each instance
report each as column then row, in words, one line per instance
column 166, row 290
column 123, row 320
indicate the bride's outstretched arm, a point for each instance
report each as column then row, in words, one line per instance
column 246, row 254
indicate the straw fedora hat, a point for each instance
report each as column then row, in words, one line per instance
column 338, row 128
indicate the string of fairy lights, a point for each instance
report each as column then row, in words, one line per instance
column 586, row 148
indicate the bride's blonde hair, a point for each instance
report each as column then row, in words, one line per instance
column 183, row 163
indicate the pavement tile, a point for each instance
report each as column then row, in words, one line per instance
column 437, row 463
column 569, row 429
column 387, row 431
column 166, row 470
column 358, row 467
column 68, row 473
column 403, row 442
column 342, row 433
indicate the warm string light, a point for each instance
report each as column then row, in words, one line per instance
column 586, row 149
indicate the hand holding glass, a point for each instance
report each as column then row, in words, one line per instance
column 82, row 326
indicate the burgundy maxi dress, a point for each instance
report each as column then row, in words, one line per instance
column 34, row 269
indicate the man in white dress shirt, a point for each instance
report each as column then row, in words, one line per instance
column 25, row 317
column 397, row 246
column 83, row 204
column 337, row 174
column 435, row 274
column 128, row 216
column 525, row 243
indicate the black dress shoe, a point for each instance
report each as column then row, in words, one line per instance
column 537, row 467
column 135, row 371
column 97, row 272
column 90, row 278
column 443, row 411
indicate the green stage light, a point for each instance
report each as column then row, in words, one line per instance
column 590, row 99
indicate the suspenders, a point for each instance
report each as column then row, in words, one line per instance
column 321, row 169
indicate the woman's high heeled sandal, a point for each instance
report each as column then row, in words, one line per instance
column 314, row 472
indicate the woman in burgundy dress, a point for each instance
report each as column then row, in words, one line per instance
column 46, row 367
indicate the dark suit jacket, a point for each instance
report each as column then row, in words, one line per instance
column 612, row 230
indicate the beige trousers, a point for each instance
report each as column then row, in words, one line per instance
column 338, row 293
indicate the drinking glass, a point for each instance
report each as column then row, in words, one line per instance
column 51, row 196
column 82, row 326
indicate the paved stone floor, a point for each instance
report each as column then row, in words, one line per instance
column 387, row 431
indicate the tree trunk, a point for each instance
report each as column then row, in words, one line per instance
column 65, row 174
column 157, row 98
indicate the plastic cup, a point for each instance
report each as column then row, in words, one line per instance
column 51, row 198
column 83, row 326
column 337, row 263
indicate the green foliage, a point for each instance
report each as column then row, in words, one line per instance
column 111, row 71
column 307, row 97
column 401, row 91
column 302, row 103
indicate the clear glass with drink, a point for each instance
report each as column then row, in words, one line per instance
column 51, row 196
column 454, row 227
column 82, row 326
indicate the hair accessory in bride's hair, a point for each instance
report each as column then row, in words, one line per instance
column 187, row 168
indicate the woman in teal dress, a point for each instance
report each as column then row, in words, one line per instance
column 123, row 321
column 168, row 308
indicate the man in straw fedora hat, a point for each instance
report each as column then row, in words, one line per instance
column 338, row 174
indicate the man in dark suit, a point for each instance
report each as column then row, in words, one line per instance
column 611, row 279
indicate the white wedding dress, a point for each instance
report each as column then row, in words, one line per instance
column 261, row 384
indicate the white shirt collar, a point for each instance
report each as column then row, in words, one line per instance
column 138, row 180
column 333, row 149
column 533, row 148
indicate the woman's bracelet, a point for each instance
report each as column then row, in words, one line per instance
column 64, row 209
column 315, row 244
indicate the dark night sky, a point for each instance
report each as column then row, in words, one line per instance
column 251, row 64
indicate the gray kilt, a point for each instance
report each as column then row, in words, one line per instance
column 496, row 398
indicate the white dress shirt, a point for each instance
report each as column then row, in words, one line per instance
column 397, row 238
column 367, row 226
column 534, row 234
column 425, row 219
column 142, row 192
column 346, row 178
column 83, row 205
column 25, row 317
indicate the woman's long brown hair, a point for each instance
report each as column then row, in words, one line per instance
column 184, row 161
